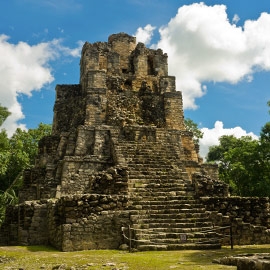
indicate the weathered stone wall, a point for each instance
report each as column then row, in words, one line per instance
column 122, row 44
column 208, row 186
column 91, row 221
column 173, row 106
column 190, row 153
column 251, row 209
column 9, row 229
column 40, row 181
column 74, row 222
column 69, row 108
column 93, row 180
column 249, row 217
column 211, row 170
column 123, row 108
column 26, row 224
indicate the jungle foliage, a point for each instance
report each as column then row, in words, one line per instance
column 17, row 153
column 244, row 163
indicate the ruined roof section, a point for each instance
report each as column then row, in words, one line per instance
column 121, row 83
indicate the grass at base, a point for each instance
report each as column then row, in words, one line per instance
column 43, row 257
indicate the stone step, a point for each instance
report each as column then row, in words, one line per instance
column 174, row 242
column 167, row 197
column 145, row 187
column 167, row 162
column 189, row 216
column 158, row 155
column 152, row 154
column 148, row 185
column 148, row 150
column 158, row 175
column 145, row 147
column 158, row 179
column 167, row 192
column 187, row 246
column 170, row 203
column 153, row 181
column 166, row 208
column 176, row 224
column 150, row 174
column 191, row 236
column 148, row 159
column 179, row 239
column 132, row 151
column 169, row 218
column 147, row 194
column 143, row 169
column 144, row 228
column 173, row 222
column 142, row 212
column 176, row 233
column 154, row 157
column 162, row 198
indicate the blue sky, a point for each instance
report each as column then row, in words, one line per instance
column 219, row 52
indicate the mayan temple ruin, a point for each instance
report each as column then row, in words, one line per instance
column 120, row 168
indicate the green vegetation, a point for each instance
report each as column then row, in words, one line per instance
column 4, row 113
column 16, row 154
column 39, row 257
column 244, row 163
column 193, row 127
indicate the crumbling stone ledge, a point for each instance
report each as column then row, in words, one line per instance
column 257, row 261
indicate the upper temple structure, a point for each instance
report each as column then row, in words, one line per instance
column 121, row 168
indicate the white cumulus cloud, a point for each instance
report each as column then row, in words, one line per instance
column 203, row 46
column 211, row 136
column 25, row 68
column 145, row 34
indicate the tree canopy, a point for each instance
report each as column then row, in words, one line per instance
column 19, row 152
column 16, row 154
column 4, row 113
column 244, row 163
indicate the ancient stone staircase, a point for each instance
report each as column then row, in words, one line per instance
column 164, row 213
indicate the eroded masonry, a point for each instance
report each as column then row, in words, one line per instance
column 120, row 157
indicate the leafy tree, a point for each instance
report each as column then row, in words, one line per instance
column 265, row 133
column 244, row 163
column 4, row 113
column 238, row 161
column 20, row 152
column 4, row 152
column 264, row 152
column 4, row 142
column 193, row 127
column 16, row 154
column 7, row 197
